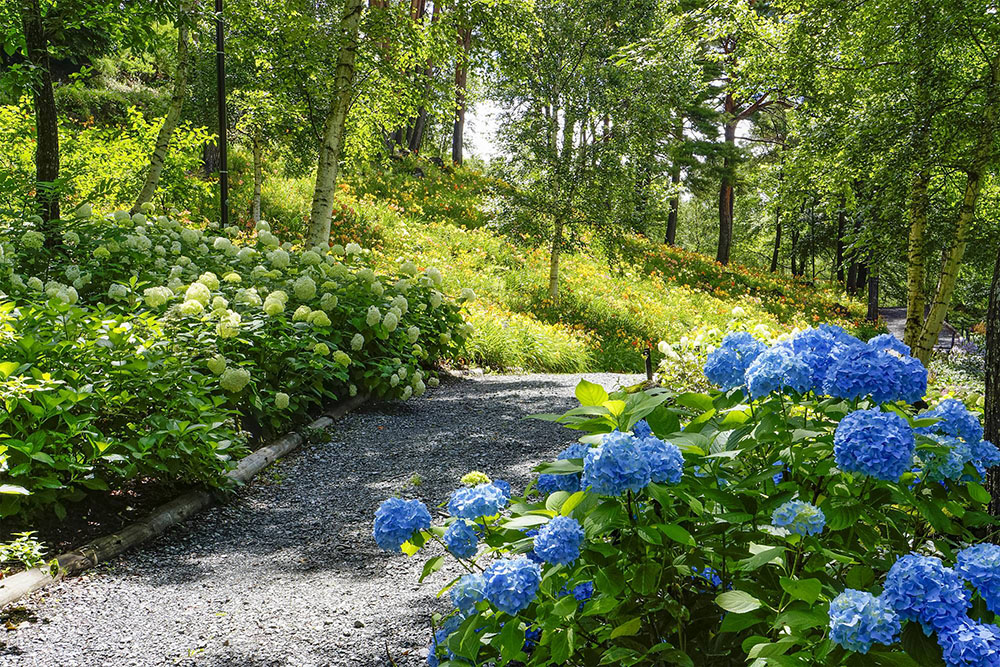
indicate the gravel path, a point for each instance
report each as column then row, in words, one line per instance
column 287, row 574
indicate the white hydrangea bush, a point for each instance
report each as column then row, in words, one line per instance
column 264, row 328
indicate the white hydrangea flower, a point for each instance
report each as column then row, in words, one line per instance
column 301, row 313
column 402, row 285
column 278, row 258
column 72, row 272
column 390, row 321
column 146, row 207
column 175, row 247
column 394, row 380
column 328, row 301
column 122, row 216
column 310, row 258
column 198, row 292
column 407, row 393
column 258, row 272
column 191, row 307
column 287, row 245
column 231, row 231
column 401, row 304
column 100, row 252
column 279, row 295
column 84, row 210
column 408, row 268
column 378, row 289
column 262, row 226
column 229, row 325
column 71, row 238
column 436, row 299
column 366, row 274
column 319, row 318
column 33, row 239
column 139, row 218
column 68, row 295
column 433, row 382
column 445, row 338
column 373, row 317
column 216, row 364
column 352, row 390
column 202, row 249
column 183, row 260
column 357, row 342
column 234, row 379
column 402, row 372
column 281, row 400
column 273, row 307
column 342, row 358
column 412, row 334
column 232, row 278
column 117, row 292
column 156, row 296
column 246, row 254
column 190, row 236
column 305, row 288
column 352, row 249
column 176, row 285
column 467, row 294
column 219, row 303
column 338, row 250
column 268, row 240
column 434, row 275
column 322, row 349
column 419, row 388
column 222, row 243
column 160, row 250
column 248, row 296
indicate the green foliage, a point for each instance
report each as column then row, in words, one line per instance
column 136, row 346
column 23, row 551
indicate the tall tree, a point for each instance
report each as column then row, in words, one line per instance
column 159, row 157
column 334, row 127
column 46, row 117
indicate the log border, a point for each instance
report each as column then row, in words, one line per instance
column 169, row 514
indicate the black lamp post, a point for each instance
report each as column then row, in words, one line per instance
column 220, row 75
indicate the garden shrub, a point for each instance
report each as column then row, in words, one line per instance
column 805, row 514
column 138, row 347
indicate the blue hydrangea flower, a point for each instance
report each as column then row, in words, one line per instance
column 980, row 566
column 577, row 450
column 727, row 364
column 548, row 484
column 450, row 625
column 478, row 501
column 912, row 379
column 861, row 371
column 531, row 638
column 817, row 349
column 938, row 466
column 780, row 475
column 666, row 463
column 708, row 574
column 584, row 591
column 558, row 542
column 511, row 584
column 396, row 520
column 461, row 539
column 955, row 420
column 775, row 369
column 616, row 466
column 467, row 591
column 985, row 455
column 504, row 486
column 887, row 341
column 641, row 429
column 800, row 518
column 970, row 644
column 874, row 443
column 840, row 335
column 921, row 588
column 859, row 619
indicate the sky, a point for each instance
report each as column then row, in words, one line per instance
column 481, row 124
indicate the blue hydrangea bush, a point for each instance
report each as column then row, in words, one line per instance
column 803, row 514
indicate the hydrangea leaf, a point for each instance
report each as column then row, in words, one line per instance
column 761, row 558
column 807, row 590
column 978, row 493
column 589, row 393
column 738, row 602
column 430, row 567
column 628, row 628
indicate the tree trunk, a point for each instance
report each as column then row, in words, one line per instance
column 726, row 195
column 554, row 260
column 257, row 175
column 333, row 131
column 841, row 224
column 159, row 157
column 46, row 118
column 916, row 257
column 564, row 168
column 777, row 239
column 795, row 251
column 992, row 416
column 966, row 214
column 675, row 202
column 461, row 78
column 872, row 315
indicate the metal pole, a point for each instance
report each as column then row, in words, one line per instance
column 220, row 75
column 649, row 364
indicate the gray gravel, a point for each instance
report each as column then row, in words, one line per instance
column 287, row 573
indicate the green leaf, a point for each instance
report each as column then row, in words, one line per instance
column 430, row 567
column 737, row 602
column 565, row 607
column 628, row 628
column 807, row 590
column 762, row 557
column 526, row 521
column 14, row 490
column 979, row 494
column 918, row 646
column 511, row 640
column 572, row 502
column 6, row 368
column 561, row 645
column 589, row 393
column 676, row 533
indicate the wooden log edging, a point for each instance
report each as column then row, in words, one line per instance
column 104, row 548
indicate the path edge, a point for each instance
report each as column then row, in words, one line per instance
column 169, row 514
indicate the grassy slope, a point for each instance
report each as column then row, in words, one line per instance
column 604, row 318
